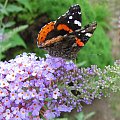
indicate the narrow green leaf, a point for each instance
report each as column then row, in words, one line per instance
column 26, row 3
column 3, row 10
column 9, row 24
column 1, row 17
column 81, row 63
column 14, row 8
column 61, row 119
column 1, row 56
column 89, row 115
column 1, row 6
column 4, row 46
column 80, row 116
column 16, row 40
column 9, row 34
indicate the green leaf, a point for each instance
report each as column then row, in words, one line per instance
column 16, row 40
column 9, row 24
column 3, row 10
column 80, row 116
column 1, row 17
column 81, row 63
column 1, row 30
column 11, row 39
column 9, row 34
column 14, row 8
column 4, row 46
column 105, row 25
column 61, row 119
column 1, row 6
column 89, row 115
column 1, row 56
column 26, row 3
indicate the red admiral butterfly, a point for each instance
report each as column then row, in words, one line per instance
column 65, row 37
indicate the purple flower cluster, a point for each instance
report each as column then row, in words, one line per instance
column 33, row 88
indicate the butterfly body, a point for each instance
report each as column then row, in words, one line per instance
column 65, row 37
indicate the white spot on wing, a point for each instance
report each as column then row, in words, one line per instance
column 77, row 30
column 77, row 22
column 70, row 17
column 88, row 34
column 79, row 13
column 94, row 27
column 67, row 12
column 83, row 31
column 59, row 18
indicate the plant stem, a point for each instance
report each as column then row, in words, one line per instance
column 5, row 4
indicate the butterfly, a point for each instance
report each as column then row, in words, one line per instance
column 65, row 36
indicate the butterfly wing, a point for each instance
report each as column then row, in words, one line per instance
column 70, row 45
column 67, row 23
column 71, row 20
column 83, row 35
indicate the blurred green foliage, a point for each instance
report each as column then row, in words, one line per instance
column 9, row 36
column 82, row 116
column 97, row 50
column 79, row 116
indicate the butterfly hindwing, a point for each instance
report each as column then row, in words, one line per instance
column 64, row 48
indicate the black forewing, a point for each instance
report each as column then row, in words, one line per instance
column 72, row 18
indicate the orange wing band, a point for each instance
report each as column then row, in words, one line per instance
column 78, row 41
column 64, row 27
column 44, row 31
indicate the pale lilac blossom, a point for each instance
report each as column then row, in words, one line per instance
column 32, row 88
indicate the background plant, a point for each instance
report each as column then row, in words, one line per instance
column 9, row 36
column 79, row 116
